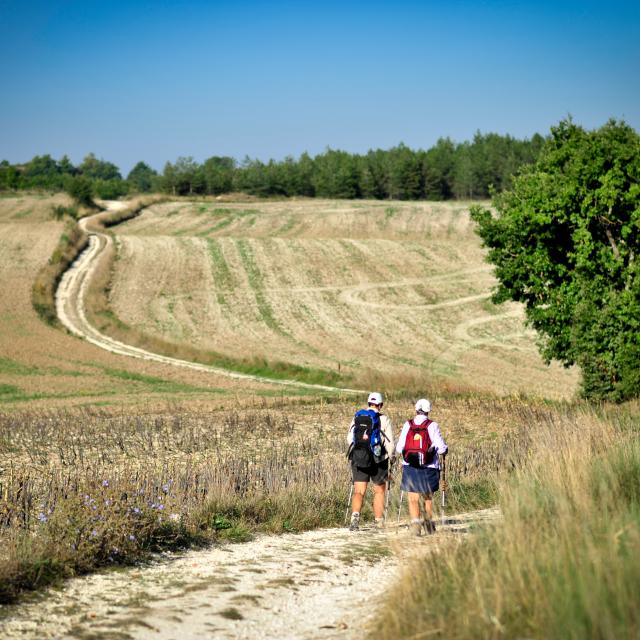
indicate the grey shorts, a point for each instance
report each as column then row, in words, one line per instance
column 376, row 473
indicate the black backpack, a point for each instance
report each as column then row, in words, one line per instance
column 367, row 445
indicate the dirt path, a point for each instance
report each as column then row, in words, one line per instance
column 311, row 585
column 71, row 312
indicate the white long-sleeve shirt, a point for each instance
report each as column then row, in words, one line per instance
column 437, row 441
column 387, row 434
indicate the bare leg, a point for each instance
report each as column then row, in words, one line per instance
column 378, row 500
column 428, row 507
column 359, row 489
column 414, row 505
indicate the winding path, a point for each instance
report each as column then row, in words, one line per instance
column 70, row 308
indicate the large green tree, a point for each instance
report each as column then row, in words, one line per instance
column 565, row 240
column 218, row 174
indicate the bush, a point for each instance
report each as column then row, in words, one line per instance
column 81, row 190
column 59, row 212
column 110, row 189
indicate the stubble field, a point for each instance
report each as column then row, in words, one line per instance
column 382, row 294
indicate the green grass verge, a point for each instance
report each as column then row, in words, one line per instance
column 71, row 243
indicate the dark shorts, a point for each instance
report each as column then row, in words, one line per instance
column 425, row 480
column 376, row 473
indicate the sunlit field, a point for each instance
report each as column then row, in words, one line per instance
column 383, row 294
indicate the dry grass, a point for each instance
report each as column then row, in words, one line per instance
column 565, row 561
column 382, row 294
column 129, row 210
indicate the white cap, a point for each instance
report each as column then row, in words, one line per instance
column 375, row 398
column 423, row 405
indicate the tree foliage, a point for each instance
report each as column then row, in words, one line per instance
column 565, row 239
column 80, row 189
column 96, row 169
column 142, row 178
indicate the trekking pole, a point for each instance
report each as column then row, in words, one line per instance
column 346, row 513
column 444, row 488
column 388, row 483
column 399, row 509
column 386, row 500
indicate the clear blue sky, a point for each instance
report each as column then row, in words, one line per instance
column 155, row 80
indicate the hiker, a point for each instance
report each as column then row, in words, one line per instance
column 370, row 440
column 420, row 444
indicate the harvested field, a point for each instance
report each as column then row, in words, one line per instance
column 387, row 294
column 41, row 365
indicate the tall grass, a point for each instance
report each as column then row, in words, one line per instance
column 81, row 490
column 564, row 563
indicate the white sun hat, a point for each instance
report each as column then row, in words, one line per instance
column 423, row 405
column 375, row 398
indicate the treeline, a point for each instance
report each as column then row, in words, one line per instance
column 467, row 170
column 93, row 177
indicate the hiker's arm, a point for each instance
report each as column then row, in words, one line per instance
column 402, row 438
column 350, row 434
column 437, row 439
column 387, row 431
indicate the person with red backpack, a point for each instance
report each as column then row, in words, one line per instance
column 420, row 444
column 370, row 440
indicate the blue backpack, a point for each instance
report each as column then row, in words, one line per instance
column 367, row 446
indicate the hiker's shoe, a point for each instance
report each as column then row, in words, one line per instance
column 379, row 523
column 415, row 528
column 355, row 522
column 429, row 526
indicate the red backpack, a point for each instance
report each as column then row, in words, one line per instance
column 417, row 444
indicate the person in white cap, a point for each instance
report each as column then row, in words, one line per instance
column 369, row 463
column 420, row 444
